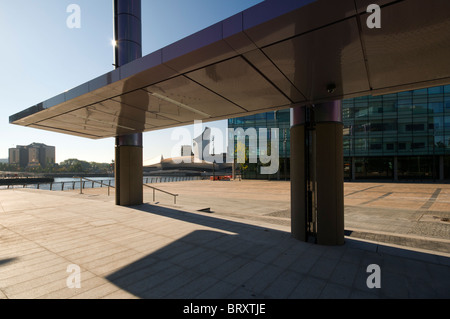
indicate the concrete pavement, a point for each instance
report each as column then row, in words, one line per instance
column 241, row 248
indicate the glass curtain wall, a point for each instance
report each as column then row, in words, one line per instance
column 398, row 136
column 277, row 119
column 402, row 136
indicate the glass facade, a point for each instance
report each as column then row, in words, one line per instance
column 402, row 136
column 276, row 119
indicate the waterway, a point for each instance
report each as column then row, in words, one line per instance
column 68, row 183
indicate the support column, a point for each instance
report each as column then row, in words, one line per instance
column 298, row 173
column 317, row 173
column 330, row 173
column 128, row 170
column 128, row 148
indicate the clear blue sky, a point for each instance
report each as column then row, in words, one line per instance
column 41, row 57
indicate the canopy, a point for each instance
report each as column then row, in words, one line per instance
column 277, row 54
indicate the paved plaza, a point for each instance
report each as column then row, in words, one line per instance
column 222, row 239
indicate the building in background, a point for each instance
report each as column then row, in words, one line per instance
column 401, row 136
column 186, row 150
column 276, row 119
column 33, row 155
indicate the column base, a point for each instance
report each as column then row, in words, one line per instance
column 129, row 172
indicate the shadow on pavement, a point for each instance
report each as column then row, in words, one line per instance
column 236, row 260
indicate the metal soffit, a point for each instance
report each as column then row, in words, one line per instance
column 275, row 55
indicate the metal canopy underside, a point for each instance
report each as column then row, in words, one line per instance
column 272, row 56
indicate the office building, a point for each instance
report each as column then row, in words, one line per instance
column 400, row 136
column 33, row 155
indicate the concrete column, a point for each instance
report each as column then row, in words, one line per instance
column 317, row 173
column 128, row 148
column 129, row 170
column 298, row 173
column 329, row 173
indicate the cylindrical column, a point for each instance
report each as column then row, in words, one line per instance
column 329, row 173
column 317, row 173
column 127, row 31
column 128, row 157
column 298, row 173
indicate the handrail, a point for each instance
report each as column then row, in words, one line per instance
column 101, row 183
column 93, row 181
column 109, row 186
column 163, row 191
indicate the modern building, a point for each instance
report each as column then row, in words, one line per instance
column 401, row 136
column 276, row 119
column 33, row 155
column 186, row 150
column 278, row 54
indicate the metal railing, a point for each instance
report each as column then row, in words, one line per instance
column 93, row 182
column 160, row 190
column 73, row 185
column 109, row 186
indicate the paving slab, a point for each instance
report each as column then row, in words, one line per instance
column 174, row 251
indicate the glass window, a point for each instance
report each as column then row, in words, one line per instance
column 420, row 143
column 436, row 107
column 390, row 126
column 438, row 125
column 361, row 146
column 439, row 142
column 447, row 104
column 376, row 146
column 447, row 123
column 260, row 116
column 361, row 127
column 420, row 106
column 447, row 89
column 389, row 107
column 420, row 167
column 375, row 109
column 420, row 92
column 347, row 146
column 361, row 111
column 405, row 97
column 389, row 145
column 404, row 109
column 404, row 144
column 404, row 126
column 436, row 90
column 376, row 126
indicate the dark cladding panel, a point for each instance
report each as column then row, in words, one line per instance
column 194, row 96
column 292, row 17
column 312, row 64
column 411, row 47
column 195, row 51
column 267, row 57
column 66, row 131
column 270, row 71
column 240, row 83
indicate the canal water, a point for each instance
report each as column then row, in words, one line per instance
column 66, row 183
